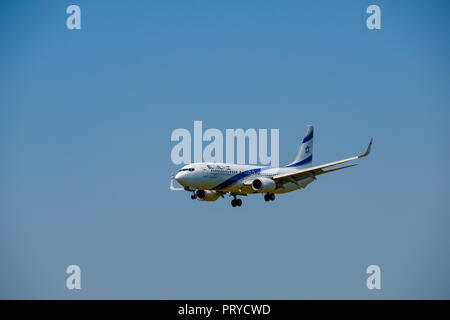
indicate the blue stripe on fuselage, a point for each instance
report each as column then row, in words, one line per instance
column 236, row 178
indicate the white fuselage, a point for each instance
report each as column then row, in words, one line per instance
column 234, row 178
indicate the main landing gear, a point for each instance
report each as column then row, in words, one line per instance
column 236, row 202
column 269, row 197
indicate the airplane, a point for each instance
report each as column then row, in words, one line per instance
column 209, row 181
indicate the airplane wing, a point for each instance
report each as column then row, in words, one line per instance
column 318, row 170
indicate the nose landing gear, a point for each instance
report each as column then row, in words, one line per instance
column 269, row 197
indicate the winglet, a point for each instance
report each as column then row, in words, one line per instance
column 368, row 149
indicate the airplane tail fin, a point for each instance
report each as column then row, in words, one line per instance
column 304, row 156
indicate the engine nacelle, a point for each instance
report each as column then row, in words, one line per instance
column 263, row 184
column 206, row 195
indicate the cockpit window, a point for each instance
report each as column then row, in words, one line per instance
column 186, row 169
column 191, row 169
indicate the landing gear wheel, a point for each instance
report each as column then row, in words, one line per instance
column 233, row 202
column 272, row 196
column 193, row 196
column 267, row 197
column 239, row 202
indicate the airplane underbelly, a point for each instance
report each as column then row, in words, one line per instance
column 239, row 188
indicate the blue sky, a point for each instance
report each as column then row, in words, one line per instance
column 86, row 117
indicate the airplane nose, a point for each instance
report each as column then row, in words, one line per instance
column 180, row 177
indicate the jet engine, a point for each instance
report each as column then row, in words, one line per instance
column 263, row 184
column 206, row 195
